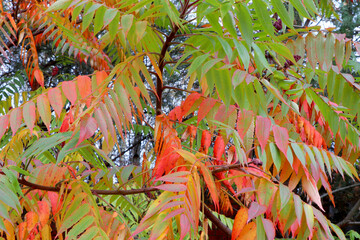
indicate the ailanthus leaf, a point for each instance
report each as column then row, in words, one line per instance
column 43, row 105
column 15, row 119
column 262, row 130
column 4, row 124
column 239, row 222
column 55, row 99
column 88, row 127
column 281, row 137
column 69, row 89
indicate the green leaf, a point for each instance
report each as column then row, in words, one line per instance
column 244, row 23
column 59, row 5
column 228, row 21
column 264, row 17
column 99, row 19
column 275, row 154
column 81, row 226
column 222, row 81
column 282, row 12
column 126, row 23
column 299, row 153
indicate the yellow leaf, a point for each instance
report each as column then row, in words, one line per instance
column 248, row 232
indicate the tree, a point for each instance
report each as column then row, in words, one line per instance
column 269, row 116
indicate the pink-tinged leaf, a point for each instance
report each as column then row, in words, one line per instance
column 56, row 100
column 205, row 108
column 339, row 52
column 310, row 188
column 244, row 121
column 88, row 127
column 269, row 228
column 44, row 110
column 175, row 177
column 4, row 123
column 262, row 130
column 84, row 84
column 69, row 89
column 189, row 102
column 255, row 210
column 309, row 214
column 102, row 123
column 39, row 76
column 29, row 115
column 185, row 226
column 174, row 213
column 172, row 187
column 323, row 221
column 15, row 119
column 298, row 207
column 281, row 137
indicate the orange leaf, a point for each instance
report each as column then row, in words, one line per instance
column 15, row 119
column 22, row 230
column 248, row 232
column 31, row 219
column 4, row 123
column 39, row 76
column 100, row 77
column 69, row 89
column 56, row 101
column 84, row 84
column 239, row 222
column 44, row 212
column 88, row 127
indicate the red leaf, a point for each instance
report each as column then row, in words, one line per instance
column 54, row 201
column 84, row 84
column 281, row 137
column 205, row 108
column 56, row 101
column 39, row 76
column 255, row 210
column 29, row 115
column 269, row 228
column 219, row 147
column 262, row 130
column 44, row 110
column 65, row 124
column 69, row 89
column 32, row 219
column 15, row 119
column 4, row 123
column 176, row 114
column 188, row 103
column 244, row 121
column 88, row 127
column 205, row 141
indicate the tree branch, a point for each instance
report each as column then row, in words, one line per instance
column 349, row 216
column 216, row 221
column 340, row 189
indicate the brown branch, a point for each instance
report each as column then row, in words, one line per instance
column 93, row 191
column 340, row 189
column 216, row 221
column 349, row 216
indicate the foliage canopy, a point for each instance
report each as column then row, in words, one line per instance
column 270, row 115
